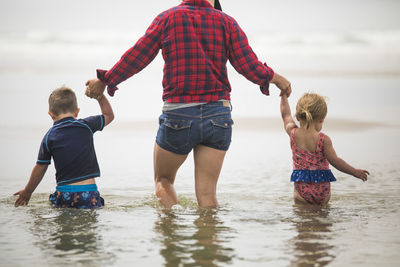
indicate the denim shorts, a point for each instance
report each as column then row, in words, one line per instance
column 182, row 129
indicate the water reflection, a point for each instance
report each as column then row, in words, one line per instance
column 69, row 233
column 311, row 245
column 197, row 239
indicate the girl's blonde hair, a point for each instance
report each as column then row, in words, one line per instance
column 311, row 107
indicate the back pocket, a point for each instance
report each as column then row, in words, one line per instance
column 177, row 132
column 222, row 132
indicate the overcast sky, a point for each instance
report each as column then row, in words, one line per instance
column 282, row 15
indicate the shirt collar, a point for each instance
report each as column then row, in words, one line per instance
column 64, row 119
column 199, row 3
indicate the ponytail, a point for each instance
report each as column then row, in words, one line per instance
column 306, row 116
column 311, row 107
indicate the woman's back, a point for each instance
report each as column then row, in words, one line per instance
column 195, row 43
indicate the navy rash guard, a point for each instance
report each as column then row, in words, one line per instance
column 70, row 143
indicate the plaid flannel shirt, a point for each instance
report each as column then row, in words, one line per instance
column 196, row 42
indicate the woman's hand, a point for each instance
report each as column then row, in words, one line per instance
column 283, row 84
column 95, row 88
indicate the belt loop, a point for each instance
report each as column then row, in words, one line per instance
column 231, row 105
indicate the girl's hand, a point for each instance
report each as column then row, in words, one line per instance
column 361, row 174
column 23, row 198
column 283, row 84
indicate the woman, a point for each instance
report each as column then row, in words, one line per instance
column 196, row 40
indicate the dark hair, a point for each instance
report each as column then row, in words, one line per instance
column 62, row 100
column 217, row 5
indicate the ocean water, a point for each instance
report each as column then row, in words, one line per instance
column 347, row 51
column 257, row 223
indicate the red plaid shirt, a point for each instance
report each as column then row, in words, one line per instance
column 196, row 42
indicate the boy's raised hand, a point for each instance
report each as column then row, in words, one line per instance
column 23, row 198
column 361, row 174
column 94, row 88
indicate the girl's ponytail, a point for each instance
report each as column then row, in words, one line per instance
column 311, row 107
column 305, row 115
column 309, row 118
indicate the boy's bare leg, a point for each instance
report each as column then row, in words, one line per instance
column 208, row 163
column 166, row 165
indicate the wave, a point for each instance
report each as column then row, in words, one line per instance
column 66, row 38
column 362, row 52
column 389, row 38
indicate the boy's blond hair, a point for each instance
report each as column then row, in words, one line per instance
column 311, row 107
column 62, row 100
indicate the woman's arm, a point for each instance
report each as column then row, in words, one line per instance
column 245, row 61
column 131, row 62
column 288, row 122
column 340, row 164
column 25, row 194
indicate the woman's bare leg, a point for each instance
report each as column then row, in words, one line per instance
column 166, row 165
column 207, row 167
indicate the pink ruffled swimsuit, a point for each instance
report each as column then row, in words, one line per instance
column 311, row 174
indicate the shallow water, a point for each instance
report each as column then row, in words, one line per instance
column 257, row 223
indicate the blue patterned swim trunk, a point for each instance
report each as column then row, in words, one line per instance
column 77, row 196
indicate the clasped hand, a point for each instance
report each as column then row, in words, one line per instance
column 95, row 88
column 283, row 84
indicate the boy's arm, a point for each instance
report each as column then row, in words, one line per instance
column 339, row 163
column 25, row 194
column 288, row 122
column 106, row 109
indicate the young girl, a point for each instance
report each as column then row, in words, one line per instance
column 312, row 151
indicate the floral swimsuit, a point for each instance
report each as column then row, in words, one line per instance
column 311, row 174
column 77, row 196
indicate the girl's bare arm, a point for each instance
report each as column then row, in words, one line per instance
column 288, row 122
column 340, row 164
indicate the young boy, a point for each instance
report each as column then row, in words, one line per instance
column 70, row 143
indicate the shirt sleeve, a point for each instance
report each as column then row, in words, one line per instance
column 135, row 59
column 44, row 156
column 245, row 61
column 95, row 123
